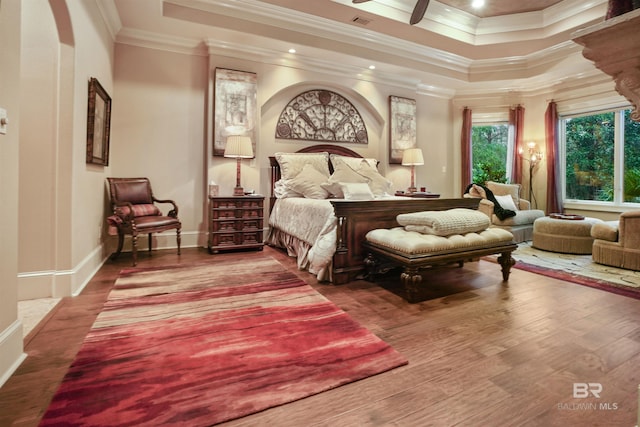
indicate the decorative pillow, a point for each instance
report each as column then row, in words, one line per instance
column 506, row 202
column 379, row 184
column 352, row 162
column 356, row 191
column 308, row 181
column 291, row 164
column 146, row 209
column 445, row 223
column 342, row 174
column 282, row 189
column 499, row 189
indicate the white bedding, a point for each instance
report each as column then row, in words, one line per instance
column 313, row 222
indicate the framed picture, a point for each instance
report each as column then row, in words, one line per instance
column 98, row 124
column 235, row 107
column 402, row 127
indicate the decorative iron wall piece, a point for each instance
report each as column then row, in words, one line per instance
column 321, row 115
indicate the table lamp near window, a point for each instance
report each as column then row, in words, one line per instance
column 238, row 147
column 412, row 157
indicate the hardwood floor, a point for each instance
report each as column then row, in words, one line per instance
column 492, row 354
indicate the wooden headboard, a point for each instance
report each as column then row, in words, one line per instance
column 320, row 148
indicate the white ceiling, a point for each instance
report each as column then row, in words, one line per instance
column 508, row 46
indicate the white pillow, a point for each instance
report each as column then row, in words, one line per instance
column 352, row 162
column 342, row 174
column 379, row 185
column 356, row 191
column 308, row 181
column 506, row 202
column 291, row 164
column 282, row 189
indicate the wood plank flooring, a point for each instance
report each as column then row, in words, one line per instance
column 492, row 354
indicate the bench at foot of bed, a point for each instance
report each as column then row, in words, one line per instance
column 414, row 251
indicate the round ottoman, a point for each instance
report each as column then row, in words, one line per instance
column 564, row 235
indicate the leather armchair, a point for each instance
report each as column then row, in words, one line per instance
column 135, row 212
column 618, row 245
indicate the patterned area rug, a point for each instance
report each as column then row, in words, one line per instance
column 577, row 269
column 202, row 344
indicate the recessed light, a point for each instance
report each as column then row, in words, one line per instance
column 292, row 50
column 477, row 3
column 372, row 67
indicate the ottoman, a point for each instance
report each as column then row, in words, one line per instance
column 568, row 236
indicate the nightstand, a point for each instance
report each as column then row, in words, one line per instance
column 235, row 222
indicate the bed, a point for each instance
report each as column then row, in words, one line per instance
column 326, row 235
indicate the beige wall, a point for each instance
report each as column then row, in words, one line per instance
column 61, row 198
column 159, row 130
column 11, row 354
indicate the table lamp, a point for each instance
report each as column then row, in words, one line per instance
column 238, row 147
column 412, row 157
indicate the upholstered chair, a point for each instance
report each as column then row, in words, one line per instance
column 618, row 245
column 508, row 197
column 135, row 212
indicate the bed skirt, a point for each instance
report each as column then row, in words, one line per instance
column 300, row 250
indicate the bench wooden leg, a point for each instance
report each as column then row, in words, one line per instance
column 411, row 279
column 506, row 261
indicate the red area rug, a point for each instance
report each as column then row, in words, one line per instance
column 202, row 344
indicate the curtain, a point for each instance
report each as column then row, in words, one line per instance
column 554, row 195
column 465, row 148
column 516, row 124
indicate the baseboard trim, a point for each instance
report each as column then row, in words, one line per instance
column 64, row 283
column 11, row 351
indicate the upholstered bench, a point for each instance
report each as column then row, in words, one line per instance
column 569, row 236
column 416, row 247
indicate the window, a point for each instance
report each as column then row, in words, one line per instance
column 489, row 149
column 601, row 157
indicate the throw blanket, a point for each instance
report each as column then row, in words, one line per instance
column 500, row 212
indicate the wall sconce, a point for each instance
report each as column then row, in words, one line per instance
column 238, row 147
column 535, row 157
column 412, row 157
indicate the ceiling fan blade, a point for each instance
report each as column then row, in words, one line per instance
column 359, row 1
column 418, row 11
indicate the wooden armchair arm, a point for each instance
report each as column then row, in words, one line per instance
column 128, row 217
column 173, row 212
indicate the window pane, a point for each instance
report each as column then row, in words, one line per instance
column 489, row 152
column 589, row 157
column 631, row 159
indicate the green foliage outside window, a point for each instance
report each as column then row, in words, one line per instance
column 489, row 145
column 590, row 151
column 589, row 157
column 631, row 159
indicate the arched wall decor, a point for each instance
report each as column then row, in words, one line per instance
column 321, row 115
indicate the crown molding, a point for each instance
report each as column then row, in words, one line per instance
column 110, row 16
column 152, row 40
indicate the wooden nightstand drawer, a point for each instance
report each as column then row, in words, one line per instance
column 235, row 222
column 221, row 240
column 223, row 213
column 251, row 238
column 250, row 224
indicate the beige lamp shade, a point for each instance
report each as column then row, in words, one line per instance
column 239, row 147
column 412, row 157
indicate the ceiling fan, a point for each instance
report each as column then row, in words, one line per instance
column 418, row 10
